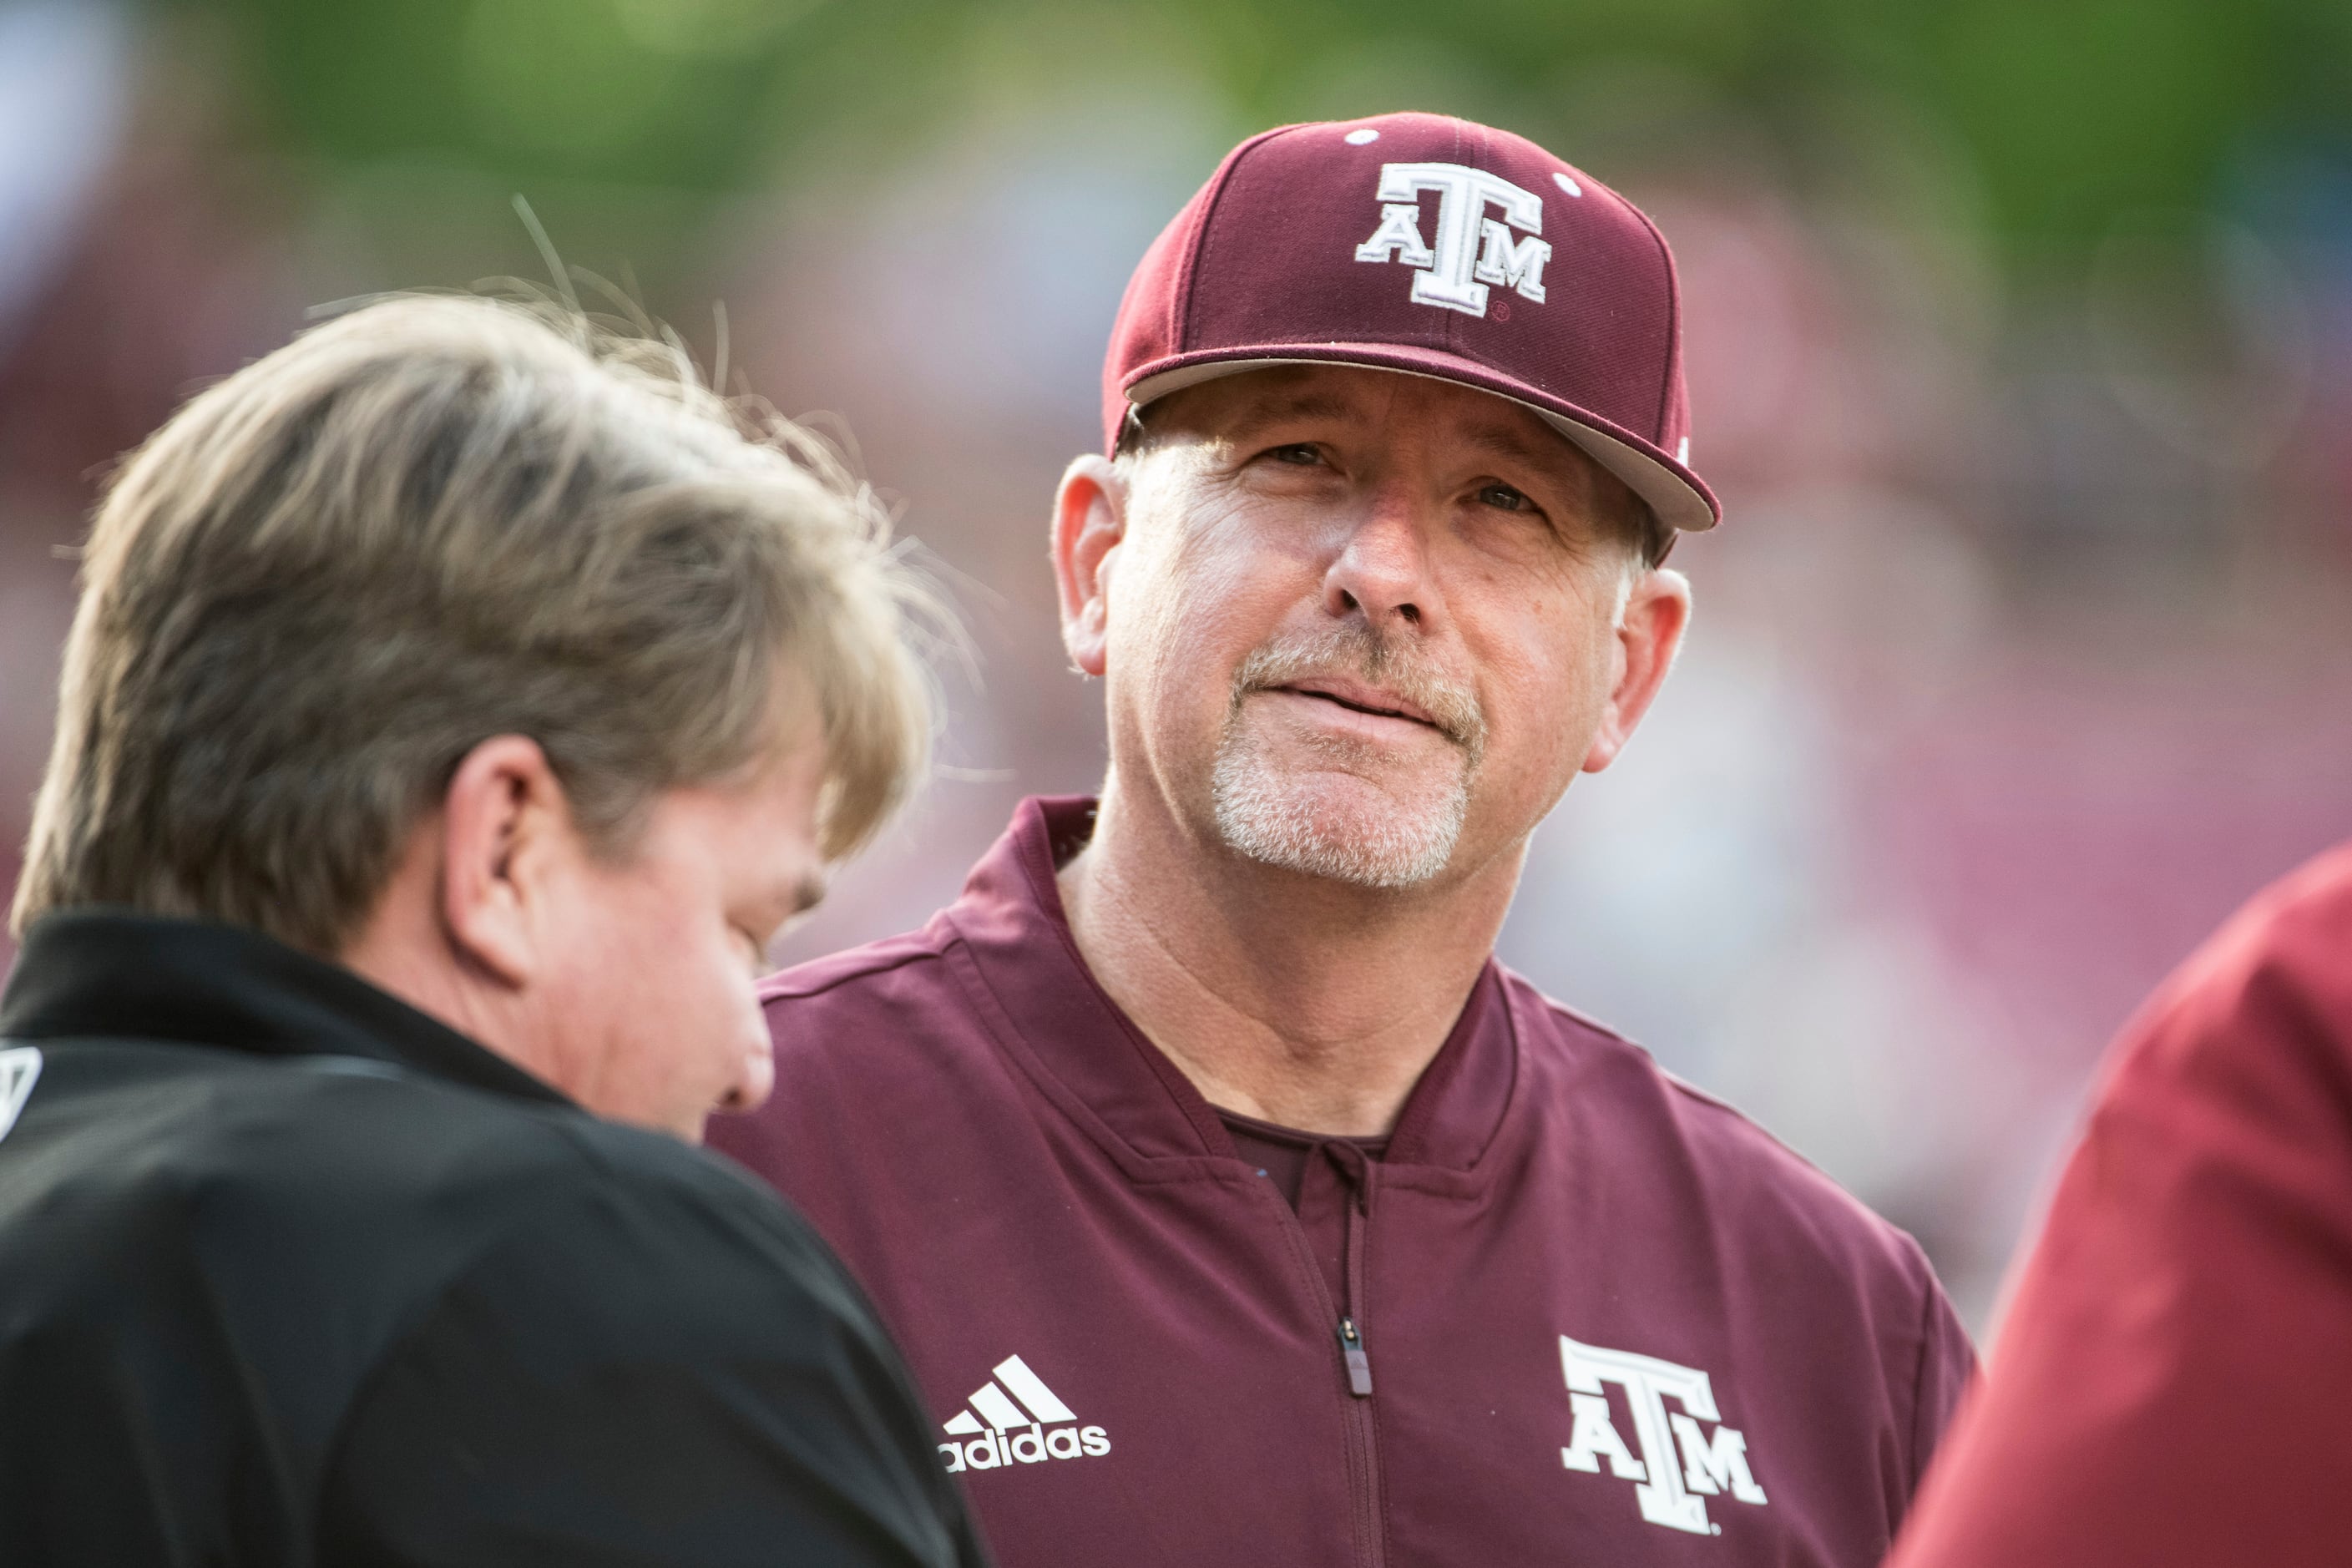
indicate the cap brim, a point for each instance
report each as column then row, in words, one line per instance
column 1678, row 496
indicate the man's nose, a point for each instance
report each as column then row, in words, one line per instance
column 1382, row 569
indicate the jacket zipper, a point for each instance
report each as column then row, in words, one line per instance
column 1371, row 1528
column 1360, row 1366
column 1351, row 1266
column 1363, row 1448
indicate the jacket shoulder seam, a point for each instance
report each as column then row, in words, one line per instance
column 795, row 985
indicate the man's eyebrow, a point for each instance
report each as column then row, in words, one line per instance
column 1547, row 454
column 1276, row 409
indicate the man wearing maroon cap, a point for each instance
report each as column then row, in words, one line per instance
column 1233, row 1205
column 2171, row 1385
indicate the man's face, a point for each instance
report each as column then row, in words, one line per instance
column 658, row 1022
column 1360, row 624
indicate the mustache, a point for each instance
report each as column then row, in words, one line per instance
column 1362, row 654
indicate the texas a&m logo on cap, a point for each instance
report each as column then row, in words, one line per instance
column 1472, row 250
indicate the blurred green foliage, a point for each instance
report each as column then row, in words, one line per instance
column 2060, row 114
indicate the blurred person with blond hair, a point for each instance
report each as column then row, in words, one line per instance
column 1234, row 1205
column 2170, row 1383
column 458, row 700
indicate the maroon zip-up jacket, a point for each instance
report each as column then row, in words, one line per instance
column 1578, row 1313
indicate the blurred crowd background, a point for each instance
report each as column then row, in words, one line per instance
column 2020, row 340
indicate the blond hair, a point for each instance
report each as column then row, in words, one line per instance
column 429, row 521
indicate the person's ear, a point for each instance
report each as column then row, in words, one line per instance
column 1649, row 635
column 1089, row 524
column 507, row 838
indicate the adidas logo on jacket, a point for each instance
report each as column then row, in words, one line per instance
column 1017, row 1434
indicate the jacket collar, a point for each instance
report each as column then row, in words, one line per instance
column 114, row 974
column 1014, row 926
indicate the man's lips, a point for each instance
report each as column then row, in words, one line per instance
column 1361, row 698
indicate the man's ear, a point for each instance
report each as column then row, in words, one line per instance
column 1089, row 524
column 506, row 835
column 1649, row 635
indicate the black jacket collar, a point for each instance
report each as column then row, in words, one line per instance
column 118, row 974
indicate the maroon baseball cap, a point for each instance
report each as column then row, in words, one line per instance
column 1434, row 246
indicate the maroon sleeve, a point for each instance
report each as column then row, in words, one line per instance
column 2171, row 1383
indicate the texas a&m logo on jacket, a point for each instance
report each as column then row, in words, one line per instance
column 1014, row 1419
column 1681, row 1464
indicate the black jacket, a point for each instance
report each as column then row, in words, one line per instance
column 291, row 1273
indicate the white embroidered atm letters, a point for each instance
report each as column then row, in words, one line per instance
column 1595, row 1436
column 1398, row 236
column 1717, row 1466
column 1518, row 263
column 1471, row 250
column 1680, row 1465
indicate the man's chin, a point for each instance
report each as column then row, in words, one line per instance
column 1338, row 825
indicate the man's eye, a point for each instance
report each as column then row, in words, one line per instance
column 1505, row 497
column 1301, row 454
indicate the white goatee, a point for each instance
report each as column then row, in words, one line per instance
column 1277, row 817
